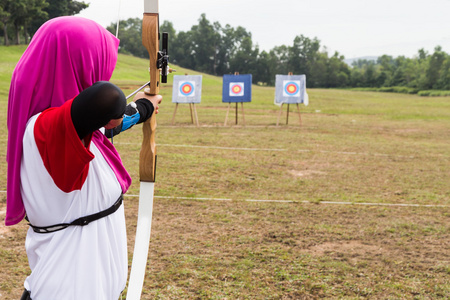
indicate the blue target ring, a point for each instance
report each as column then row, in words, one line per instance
column 291, row 88
column 186, row 89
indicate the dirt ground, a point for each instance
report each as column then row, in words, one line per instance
column 250, row 250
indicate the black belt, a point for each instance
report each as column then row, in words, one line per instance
column 25, row 295
column 83, row 221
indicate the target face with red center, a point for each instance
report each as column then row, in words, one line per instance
column 291, row 88
column 236, row 89
column 186, row 89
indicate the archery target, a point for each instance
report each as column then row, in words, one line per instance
column 236, row 89
column 291, row 88
column 186, row 89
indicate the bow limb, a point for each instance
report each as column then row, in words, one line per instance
column 147, row 159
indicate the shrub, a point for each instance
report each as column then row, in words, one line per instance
column 434, row 93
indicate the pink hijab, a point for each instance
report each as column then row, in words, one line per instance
column 65, row 56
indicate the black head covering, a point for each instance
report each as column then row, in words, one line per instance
column 94, row 107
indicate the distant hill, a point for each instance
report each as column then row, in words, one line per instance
column 350, row 61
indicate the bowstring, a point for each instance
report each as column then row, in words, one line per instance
column 118, row 20
column 117, row 36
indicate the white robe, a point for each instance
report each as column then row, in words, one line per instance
column 79, row 262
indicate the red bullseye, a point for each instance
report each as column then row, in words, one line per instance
column 291, row 89
column 187, row 89
column 236, row 89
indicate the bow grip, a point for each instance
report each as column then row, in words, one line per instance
column 147, row 158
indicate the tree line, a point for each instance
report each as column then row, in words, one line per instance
column 21, row 18
column 215, row 49
column 424, row 72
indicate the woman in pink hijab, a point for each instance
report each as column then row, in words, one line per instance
column 63, row 173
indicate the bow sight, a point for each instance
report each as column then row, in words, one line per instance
column 163, row 58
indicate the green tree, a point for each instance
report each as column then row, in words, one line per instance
column 206, row 40
column 337, row 72
column 56, row 8
column 279, row 60
column 5, row 16
column 167, row 26
column 264, row 70
column 130, row 35
column 386, row 64
column 318, row 70
column 245, row 59
column 304, row 57
column 234, row 42
column 356, row 77
column 225, row 49
column 26, row 11
column 181, row 52
column 303, row 53
column 436, row 61
column 370, row 75
column 18, row 15
column 444, row 79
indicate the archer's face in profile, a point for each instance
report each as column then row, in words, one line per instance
column 113, row 123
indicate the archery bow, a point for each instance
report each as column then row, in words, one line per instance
column 147, row 159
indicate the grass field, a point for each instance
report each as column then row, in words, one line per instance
column 353, row 204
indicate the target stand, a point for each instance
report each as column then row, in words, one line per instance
column 228, row 111
column 287, row 114
column 290, row 89
column 194, row 116
column 236, row 89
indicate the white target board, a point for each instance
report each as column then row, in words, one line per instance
column 187, row 89
column 290, row 89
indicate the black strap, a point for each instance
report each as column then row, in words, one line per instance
column 83, row 221
column 25, row 295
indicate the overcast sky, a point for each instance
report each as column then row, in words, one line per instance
column 354, row 28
